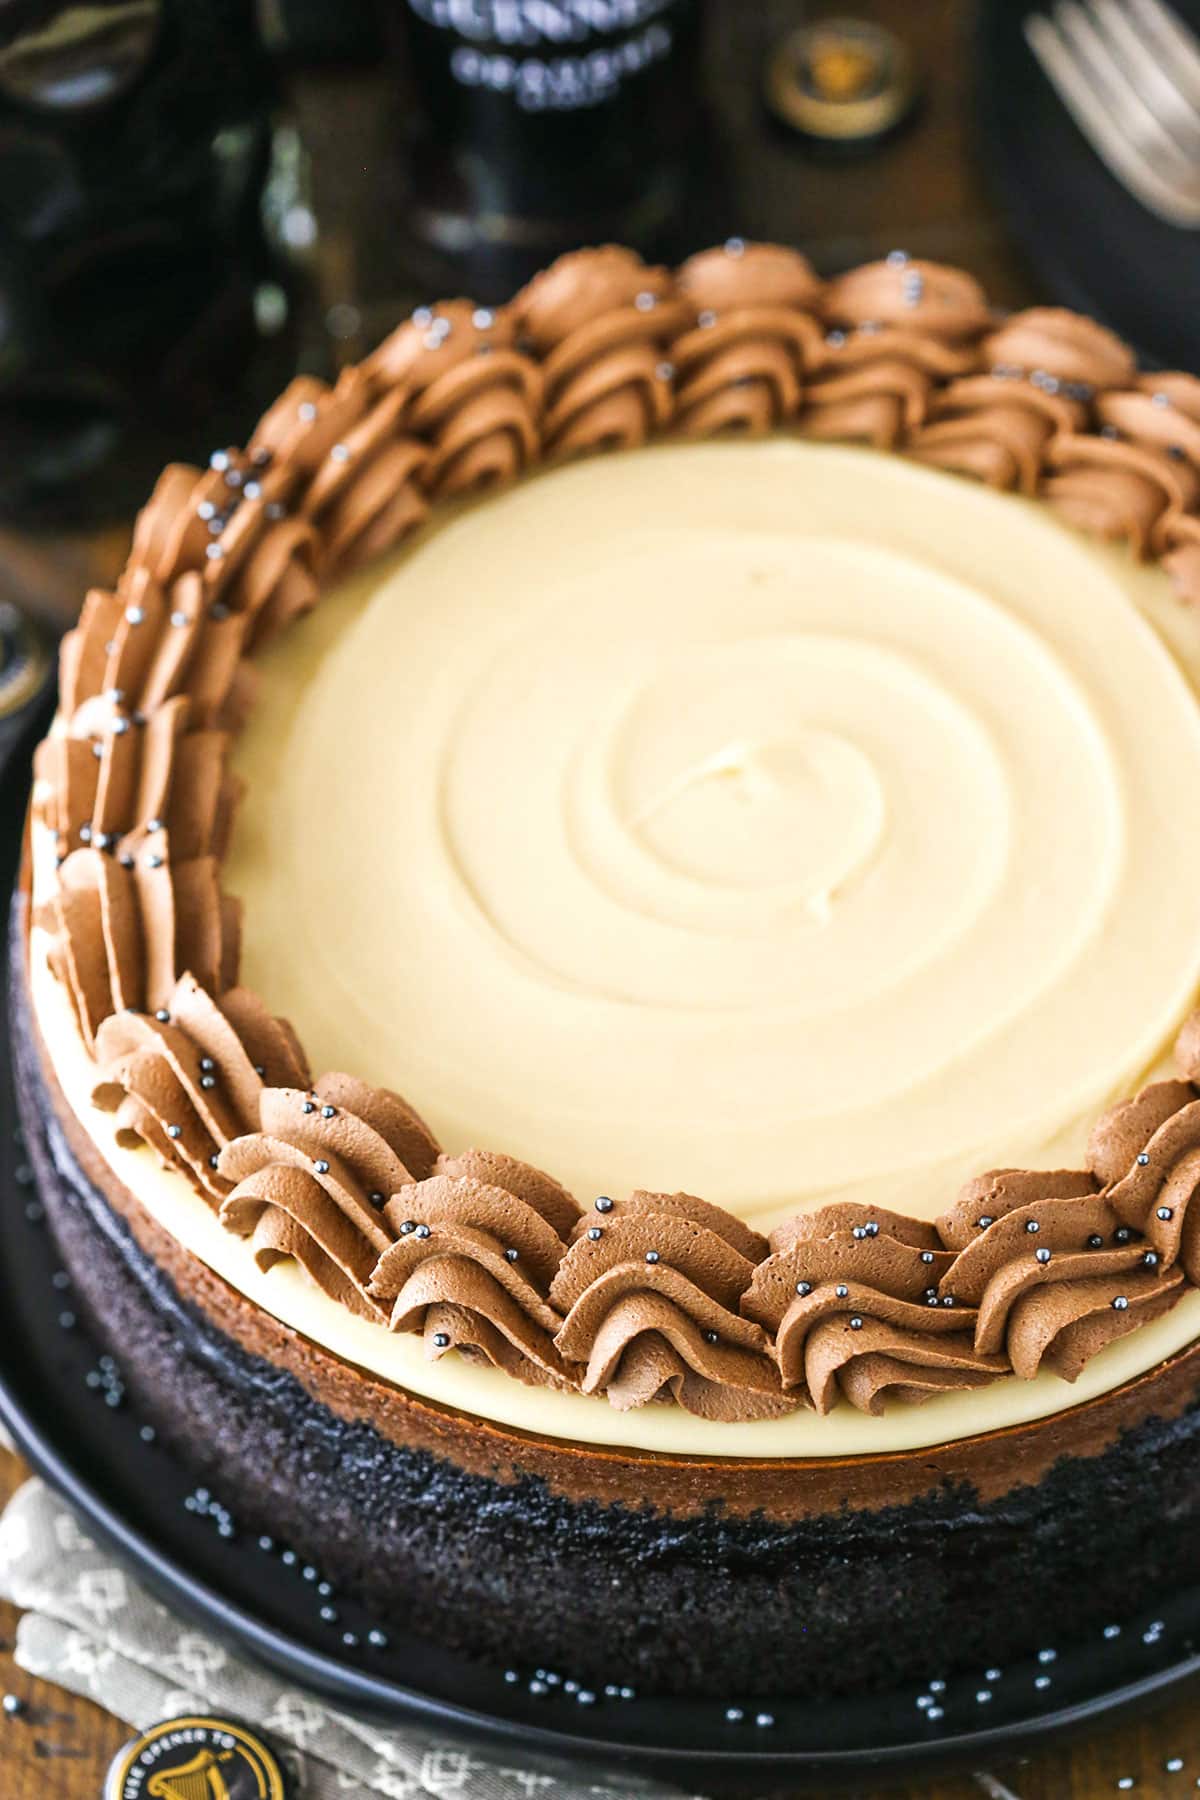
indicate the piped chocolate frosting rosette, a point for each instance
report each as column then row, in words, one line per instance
column 121, row 781
column 1138, row 478
column 601, row 323
column 1042, row 369
column 187, row 1079
column 650, row 1289
column 741, row 362
column 141, row 808
column 121, row 935
column 140, row 647
column 476, row 1248
column 224, row 526
column 1147, row 1150
column 340, row 459
column 1176, row 400
column 851, row 1297
column 313, row 1182
column 894, row 329
column 468, row 394
column 1051, row 1268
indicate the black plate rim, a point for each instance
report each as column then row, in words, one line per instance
column 384, row 1699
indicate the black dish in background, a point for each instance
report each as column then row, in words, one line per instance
column 64, row 1408
column 1093, row 246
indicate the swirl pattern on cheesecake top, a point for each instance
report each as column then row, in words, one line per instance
column 654, row 1297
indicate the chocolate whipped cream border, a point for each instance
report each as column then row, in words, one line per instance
column 653, row 1297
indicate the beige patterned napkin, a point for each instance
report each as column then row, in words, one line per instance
column 89, row 1626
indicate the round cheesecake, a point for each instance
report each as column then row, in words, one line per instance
column 691, row 1115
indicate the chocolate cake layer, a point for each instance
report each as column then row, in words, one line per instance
column 678, row 1576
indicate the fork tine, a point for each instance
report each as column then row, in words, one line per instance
column 1176, row 43
column 1131, row 112
column 1172, row 105
column 1072, row 83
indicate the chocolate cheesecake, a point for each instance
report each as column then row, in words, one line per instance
column 762, row 858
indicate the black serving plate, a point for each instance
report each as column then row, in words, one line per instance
column 1095, row 248
column 66, row 1409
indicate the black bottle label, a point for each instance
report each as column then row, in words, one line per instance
column 551, row 55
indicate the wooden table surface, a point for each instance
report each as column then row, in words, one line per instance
column 925, row 192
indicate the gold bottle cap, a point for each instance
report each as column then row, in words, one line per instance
column 841, row 81
column 201, row 1758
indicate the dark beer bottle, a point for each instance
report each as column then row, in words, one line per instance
column 545, row 124
column 134, row 136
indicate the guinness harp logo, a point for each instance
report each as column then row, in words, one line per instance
column 197, row 1759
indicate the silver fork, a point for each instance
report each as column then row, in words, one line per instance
column 1128, row 72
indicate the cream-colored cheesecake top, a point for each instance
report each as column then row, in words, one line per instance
column 779, row 822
